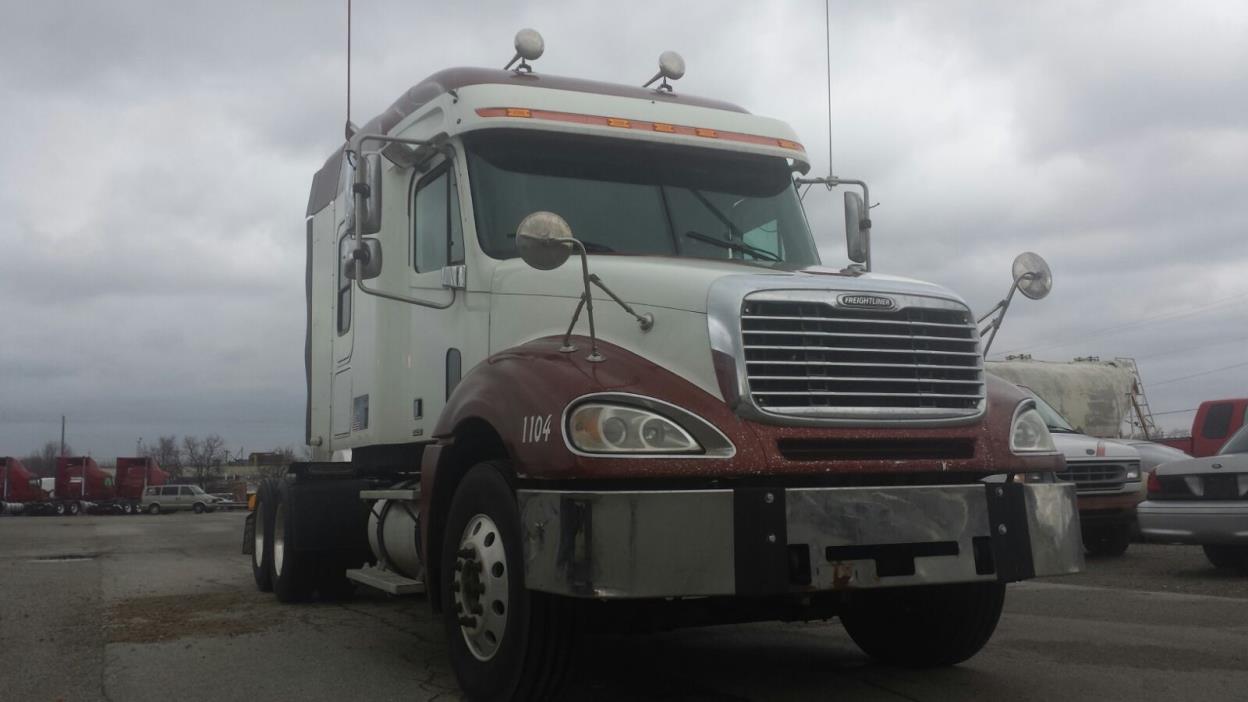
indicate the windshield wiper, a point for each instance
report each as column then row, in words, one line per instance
column 735, row 246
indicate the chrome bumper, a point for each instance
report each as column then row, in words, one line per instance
column 765, row 541
column 1193, row 522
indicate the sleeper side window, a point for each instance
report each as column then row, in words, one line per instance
column 438, row 236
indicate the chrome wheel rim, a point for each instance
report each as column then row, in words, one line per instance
column 480, row 587
column 279, row 537
column 257, row 550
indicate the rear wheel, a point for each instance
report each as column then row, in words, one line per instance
column 198, row 508
column 127, row 508
column 930, row 625
column 1107, row 541
column 153, row 508
column 1227, row 556
column 60, row 508
column 505, row 641
column 293, row 572
column 262, row 546
column 74, row 508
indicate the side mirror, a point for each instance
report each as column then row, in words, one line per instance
column 544, row 240
column 372, row 203
column 857, row 228
column 368, row 252
column 1032, row 275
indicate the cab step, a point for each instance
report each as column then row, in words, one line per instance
column 386, row 581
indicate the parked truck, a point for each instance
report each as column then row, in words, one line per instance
column 134, row 475
column 80, row 485
column 1214, row 423
column 692, row 422
column 18, row 486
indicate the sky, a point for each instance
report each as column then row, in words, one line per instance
column 157, row 158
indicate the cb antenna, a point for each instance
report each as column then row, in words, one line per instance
column 349, row 128
column 827, row 52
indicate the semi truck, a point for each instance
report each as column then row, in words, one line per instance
column 18, row 486
column 573, row 362
column 134, row 475
column 1214, row 423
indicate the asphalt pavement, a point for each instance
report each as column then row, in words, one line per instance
column 160, row 607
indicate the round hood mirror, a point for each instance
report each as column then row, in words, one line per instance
column 529, row 44
column 1032, row 275
column 544, row 240
column 671, row 65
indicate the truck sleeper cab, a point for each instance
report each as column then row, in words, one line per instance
column 726, row 432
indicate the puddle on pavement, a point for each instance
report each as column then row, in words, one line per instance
column 170, row 617
column 65, row 558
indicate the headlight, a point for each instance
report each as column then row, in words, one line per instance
column 1133, row 473
column 599, row 428
column 1030, row 434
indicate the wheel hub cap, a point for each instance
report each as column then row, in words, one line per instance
column 480, row 587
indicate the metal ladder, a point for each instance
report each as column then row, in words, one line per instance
column 1143, row 420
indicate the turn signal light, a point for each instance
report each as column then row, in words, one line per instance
column 1154, row 483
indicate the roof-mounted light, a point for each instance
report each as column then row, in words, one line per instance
column 671, row 65
column 529, row 47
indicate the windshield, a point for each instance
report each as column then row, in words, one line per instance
column 635, row 197
column 197, row 490
column 1053, row 418
column 1238, row 443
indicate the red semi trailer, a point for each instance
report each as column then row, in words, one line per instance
column 18, row 486
column 1214, row 423
column 133, row 476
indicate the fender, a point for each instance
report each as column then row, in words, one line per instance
column 523, row 391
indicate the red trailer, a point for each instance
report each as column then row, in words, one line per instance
column 18, row 486
column 133, row 476
column 1214, row 423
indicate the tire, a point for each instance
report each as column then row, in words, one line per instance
column 1227, row 556
column 60, row 509
column 529, row 659
column 153, row 508
column 1107, row 542
column 332, row 582
column 262, row 547
column 74, row 508
column 198, row 508
column 127, row 508
column 925, row 626
column 293, row 572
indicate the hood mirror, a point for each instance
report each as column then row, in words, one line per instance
column 1032, row 277
column 544, row 240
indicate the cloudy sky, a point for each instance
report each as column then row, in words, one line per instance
column 157, row 158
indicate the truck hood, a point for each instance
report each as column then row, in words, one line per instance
column 683, row 283
column 1081, row 447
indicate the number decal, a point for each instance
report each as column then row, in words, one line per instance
column 535, row 429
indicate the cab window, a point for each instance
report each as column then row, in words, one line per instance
column 169, row 491
column 438, row 238
column 1217, row 421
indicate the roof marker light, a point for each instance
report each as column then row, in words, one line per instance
column 622, row 123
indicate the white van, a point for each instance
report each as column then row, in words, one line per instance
column 171, row 498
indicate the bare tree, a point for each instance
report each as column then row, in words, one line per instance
column 43, row 461
column 204, row 456
column 167, row 453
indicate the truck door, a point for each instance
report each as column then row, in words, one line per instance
column 439, row 339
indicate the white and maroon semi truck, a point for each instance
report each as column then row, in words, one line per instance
column 691, row 421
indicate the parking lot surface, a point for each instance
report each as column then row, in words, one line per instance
column 163, row 607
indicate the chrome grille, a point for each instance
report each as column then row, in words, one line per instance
column 1095, row 475
column 812, row 358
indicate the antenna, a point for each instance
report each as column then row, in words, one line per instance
column 827, row 52
column 348, row 129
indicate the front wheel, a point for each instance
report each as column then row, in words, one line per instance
column 505, row 641
column 1226, row 556
column 925, row 626
column 198, row 508
column 74, row 508
column 153, row 508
